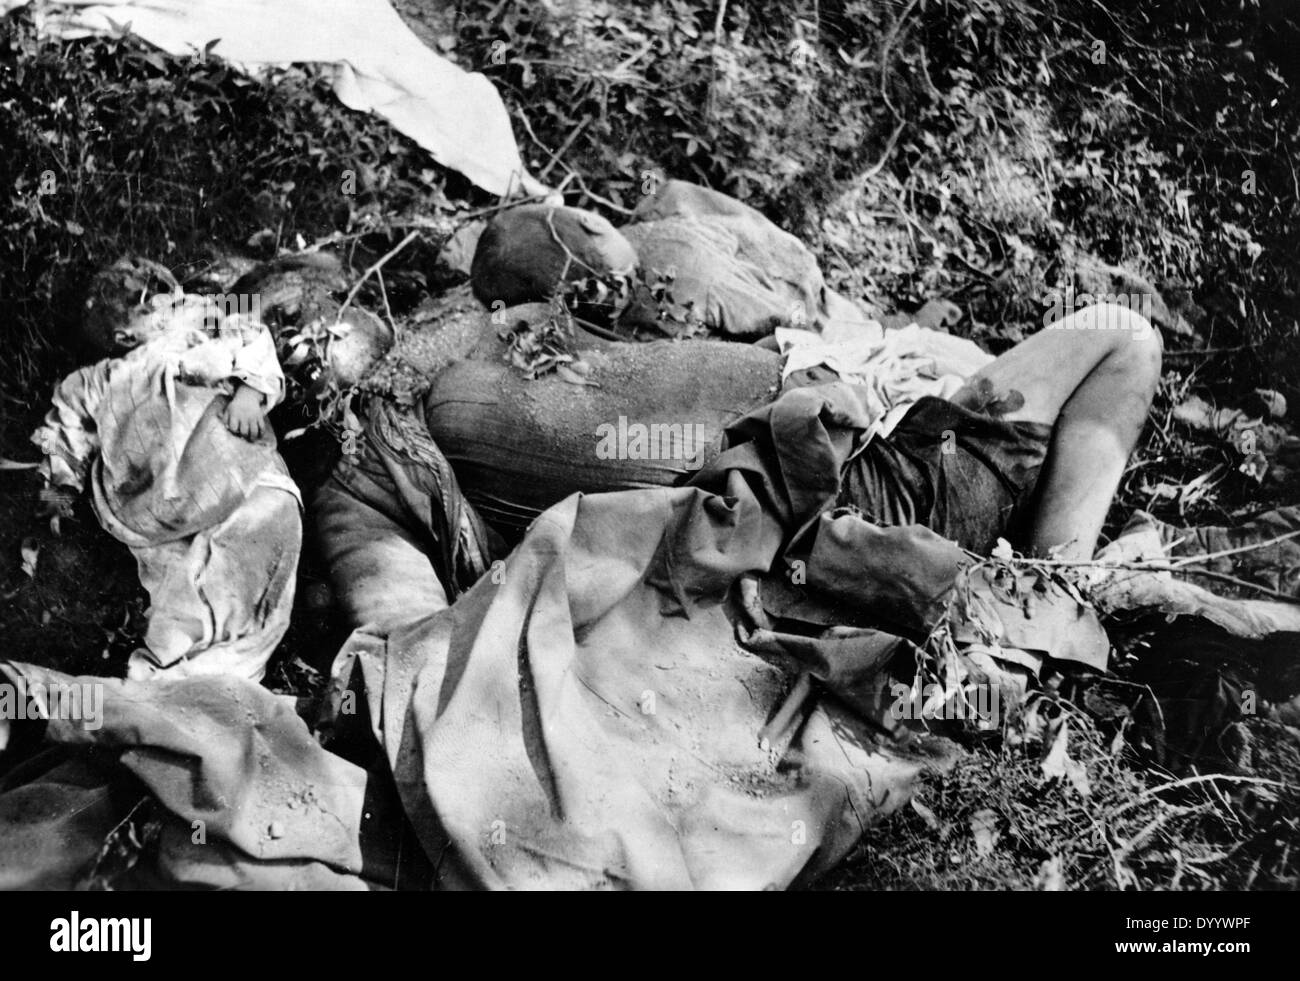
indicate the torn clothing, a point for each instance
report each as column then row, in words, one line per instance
column 212, row 519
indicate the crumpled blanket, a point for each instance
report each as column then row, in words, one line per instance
column 246, row 796
column 212, row 519
column 378, row 65
column 585, row 716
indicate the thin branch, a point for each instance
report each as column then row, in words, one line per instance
column 1254, row 546
column 378, row 265
column 884, row 55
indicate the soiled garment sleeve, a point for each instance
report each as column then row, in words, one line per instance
column 256, row 365
column 69, row 437
column 245, row 352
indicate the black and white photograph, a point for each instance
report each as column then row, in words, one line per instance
column 833, row 446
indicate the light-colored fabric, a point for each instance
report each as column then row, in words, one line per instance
column 585, row 716
column 221, row 599
column 571, row 736
column 378, row 65
column 144, row 429
column 893, row 370
column 212, row 519
column 246, row 797
column 735, row 270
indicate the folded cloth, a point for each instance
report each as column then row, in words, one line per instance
column 896, row 368
column 221, row 599
column 246, row 798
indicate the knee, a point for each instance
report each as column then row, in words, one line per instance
column 1134, row 355
column 1133, row 344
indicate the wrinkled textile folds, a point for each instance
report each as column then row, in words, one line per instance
column 212, row 518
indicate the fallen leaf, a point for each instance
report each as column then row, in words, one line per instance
column 1054, row 761
column 984, row 827
column 1058, row 763
column 1050, row 878
column 926, row 815
column 1077, row 774
column 1274, row 402
column 30, row 553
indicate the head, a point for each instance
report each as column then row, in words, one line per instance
column 525, row 254
column 126, row 292
column 188, row 312
column 357, row 341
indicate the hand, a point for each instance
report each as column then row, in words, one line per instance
column 244, row 415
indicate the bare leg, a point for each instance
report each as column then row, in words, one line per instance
column 1091, row 376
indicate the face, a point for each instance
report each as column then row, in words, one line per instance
column 165, row 313
column 117, row 295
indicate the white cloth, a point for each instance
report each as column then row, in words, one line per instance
column 895, row 369
column 378, row 65
column 212, row 519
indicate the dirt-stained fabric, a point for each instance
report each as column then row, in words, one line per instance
column 212, row 518
column 586, row 716
column 247, row 797
column 736, row 271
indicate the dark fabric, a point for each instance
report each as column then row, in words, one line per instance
column 966, row 475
